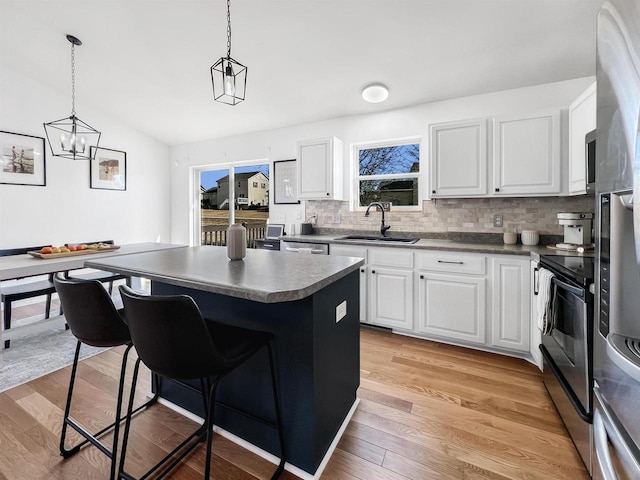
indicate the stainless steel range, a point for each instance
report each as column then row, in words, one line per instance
column 567, row 348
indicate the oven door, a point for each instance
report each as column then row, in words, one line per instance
column 567, row 364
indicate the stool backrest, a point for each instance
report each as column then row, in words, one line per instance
column 170, row 335
column 90, row 313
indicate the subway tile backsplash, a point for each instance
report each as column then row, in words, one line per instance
column 463, row 215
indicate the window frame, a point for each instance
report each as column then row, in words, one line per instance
column 356, row 177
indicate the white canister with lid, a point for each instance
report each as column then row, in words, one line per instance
column 529, row 237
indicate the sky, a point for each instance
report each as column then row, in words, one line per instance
column 210, row 178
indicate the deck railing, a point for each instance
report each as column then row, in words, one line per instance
column 217, row 234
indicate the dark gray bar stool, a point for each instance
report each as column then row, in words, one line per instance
column 174, row 340
column 93, row 320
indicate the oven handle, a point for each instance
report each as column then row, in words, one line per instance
column 575, row 402
column 579, row 292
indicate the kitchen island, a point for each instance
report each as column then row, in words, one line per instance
column 310, row 303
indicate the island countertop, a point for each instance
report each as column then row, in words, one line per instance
column 263, row 276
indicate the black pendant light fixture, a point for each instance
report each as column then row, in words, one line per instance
column 70, row 137
column 229, row 77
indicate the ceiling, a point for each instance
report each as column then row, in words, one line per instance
column 147, row 61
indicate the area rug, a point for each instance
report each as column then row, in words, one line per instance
column 38, row 354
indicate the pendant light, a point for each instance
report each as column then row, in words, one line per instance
column 229, row 78
column 70, row 137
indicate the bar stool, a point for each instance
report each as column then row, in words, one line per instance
column 174, row 340
column 93, row 320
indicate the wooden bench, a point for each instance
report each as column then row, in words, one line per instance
column 21, row 291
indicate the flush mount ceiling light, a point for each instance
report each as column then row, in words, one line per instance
column 70, row 137
column 375, row 93
column 229, row 78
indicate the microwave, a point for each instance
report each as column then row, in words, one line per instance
column 590, row 161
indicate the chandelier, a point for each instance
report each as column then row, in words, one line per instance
column 70, row 137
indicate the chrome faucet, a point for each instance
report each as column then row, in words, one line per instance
column 383, row 227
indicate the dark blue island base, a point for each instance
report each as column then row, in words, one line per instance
column 318, row 369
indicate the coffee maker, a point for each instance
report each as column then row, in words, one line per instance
column 577, row 229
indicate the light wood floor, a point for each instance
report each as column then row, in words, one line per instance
column 427, row 411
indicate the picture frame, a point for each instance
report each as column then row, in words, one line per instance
column 285, row 182
column 108, row 169
column 22, row 160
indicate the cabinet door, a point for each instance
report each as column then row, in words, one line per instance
column 511, row 303
column 458, row 165
column 391, row 297
column 527, row 154
column 452, row 306
column 536, row 334
column 319, row 169
column 356, row 251
column 582, row 119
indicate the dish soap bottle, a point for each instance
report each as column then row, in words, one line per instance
column 236, row 241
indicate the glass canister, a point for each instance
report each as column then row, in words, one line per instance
column 236, row 241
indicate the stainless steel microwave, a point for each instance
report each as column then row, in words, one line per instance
column 590, row 161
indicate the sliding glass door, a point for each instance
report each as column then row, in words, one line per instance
column 233, row 194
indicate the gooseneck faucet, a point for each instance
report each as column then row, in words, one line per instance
column 383, row 227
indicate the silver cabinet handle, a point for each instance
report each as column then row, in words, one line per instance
column 447, row 261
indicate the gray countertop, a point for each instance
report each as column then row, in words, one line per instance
column 431, row 244
column 262, row 276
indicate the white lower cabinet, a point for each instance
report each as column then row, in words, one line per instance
column 510, row 313
column 452, row 295
column 473, row 299
column 391, row 287
column 452, row 306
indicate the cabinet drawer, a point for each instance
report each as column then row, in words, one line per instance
column 348, row 251
column 391, row 257
column 453, row 262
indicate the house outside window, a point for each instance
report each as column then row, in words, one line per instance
column 255, row 184
column 388, row 172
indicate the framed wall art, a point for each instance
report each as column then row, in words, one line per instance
column 23, row 160
column 108, row 169
column 285, row 182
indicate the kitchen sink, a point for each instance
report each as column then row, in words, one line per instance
column 370, row 238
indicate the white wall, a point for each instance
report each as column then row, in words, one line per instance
column 66, row 209
column 280, row 144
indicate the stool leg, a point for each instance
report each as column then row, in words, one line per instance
column 127, row 425
column 116, row 428
column 209, row 423
column 276, row 402
column 7, row 321
column 63, row 451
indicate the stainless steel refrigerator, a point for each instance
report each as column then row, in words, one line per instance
column 616, row 421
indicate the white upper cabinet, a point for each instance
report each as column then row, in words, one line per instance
column 582, row 119
column 527, row 154
column 320, row 169
column 458, row 165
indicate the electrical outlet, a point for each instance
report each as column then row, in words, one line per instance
column 497, row 221
column 336, row 218
column 341, row 311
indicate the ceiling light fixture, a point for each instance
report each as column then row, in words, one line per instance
column 72, row 138
column 229, row 78
column 375, row 93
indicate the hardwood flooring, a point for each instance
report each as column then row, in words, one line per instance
column 427, row 411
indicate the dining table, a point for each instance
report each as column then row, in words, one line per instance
column 14, row 267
